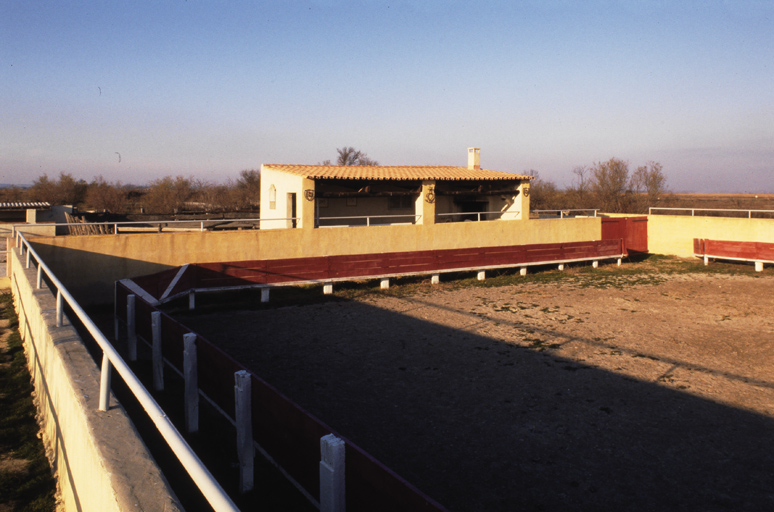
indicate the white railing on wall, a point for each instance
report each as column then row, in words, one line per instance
column 412, row 219
column 567, row 213
column 468, row 215
column 209, row 487
column 145, row 225
column 653, row 209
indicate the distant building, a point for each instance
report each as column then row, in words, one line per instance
column 332, row 195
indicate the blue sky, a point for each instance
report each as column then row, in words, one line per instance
column 207, row 89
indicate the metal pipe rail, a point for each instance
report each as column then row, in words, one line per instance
column 477, row 214
column 204, row 480
column 694, row 210
column 144, row 223
column 566, row 213
column 367, row 218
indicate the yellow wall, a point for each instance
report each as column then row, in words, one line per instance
column 101, row 463
column 674, row 234
column 88, row 265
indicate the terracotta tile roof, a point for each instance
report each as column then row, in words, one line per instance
column 399, row 172
column 23, row 205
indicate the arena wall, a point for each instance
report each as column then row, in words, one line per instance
column 674, row 234
column 89, row 265
column 101, row 463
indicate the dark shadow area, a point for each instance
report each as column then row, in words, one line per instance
column 89, row 276
column 214, row 443
column 479, row 424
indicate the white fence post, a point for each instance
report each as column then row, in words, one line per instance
column 104, row 383
column 265, row 294
column 39, row 283
column 244, row 426
column 191, row 376
column 385, row 284
column 131, row 327
column 191, row 300
column 29, row 259
column 59, row 308
column 481, row 275
column 332, row 482
column 435, row 279
column 157, row 358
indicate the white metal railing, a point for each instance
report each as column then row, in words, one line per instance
column 722, row 210
column 415, row 218
column 199, row 225
column 567, row 213
column 209, row 487
column 477, row 214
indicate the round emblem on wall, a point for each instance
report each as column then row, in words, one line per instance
column 526, row 191
column 309, row 194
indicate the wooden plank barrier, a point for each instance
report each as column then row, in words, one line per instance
column 174, row 282
column 282, row 429
column 755, row 252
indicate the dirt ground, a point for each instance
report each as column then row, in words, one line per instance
column 619, row 390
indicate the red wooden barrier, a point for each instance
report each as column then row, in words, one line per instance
column 726, row 249
column 632, row 230
column 289, row 434
column 358, row 266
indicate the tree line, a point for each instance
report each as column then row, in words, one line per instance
column 608, row 186
column 165, row 195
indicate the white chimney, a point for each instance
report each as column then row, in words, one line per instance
column 474, row 158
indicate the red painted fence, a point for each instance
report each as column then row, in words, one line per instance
column 163, row 286
column 726, row 249
column 632, row 230
column 289, row 434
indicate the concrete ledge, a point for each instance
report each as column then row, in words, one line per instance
column 101, row 463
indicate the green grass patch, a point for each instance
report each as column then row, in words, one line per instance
column 29, row 485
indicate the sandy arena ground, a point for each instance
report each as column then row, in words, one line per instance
column 652, row 393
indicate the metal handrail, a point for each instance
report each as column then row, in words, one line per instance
column 204, row 480
column 140, row 223
column 369, row 217
column 478, row 214
column 694, row 210
column 566, row 213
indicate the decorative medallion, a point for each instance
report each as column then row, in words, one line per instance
column 430, row 196
column 526, row 191
column 309, row 194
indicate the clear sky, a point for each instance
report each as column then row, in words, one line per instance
column 209, row 88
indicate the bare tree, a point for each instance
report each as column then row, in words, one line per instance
column 609, row 182
column 350, row 156
column 579, row 194
column 65, row 190
column 167, row 195
column 249, row 187
column 543, row 194
column 649, row 179
column 105, row 196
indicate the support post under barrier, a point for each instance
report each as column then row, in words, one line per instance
column 190, row 374
column 157, row 357
column 131, row 327
column 39, row 282
column 104, row 383
column 59, row 308
column 244, row 426
column 332, row 482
